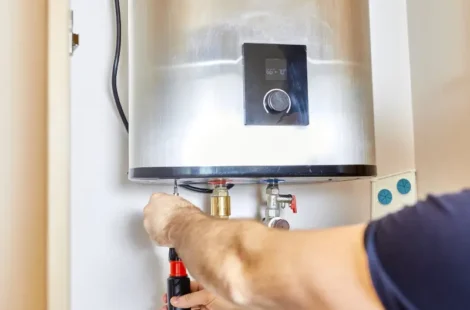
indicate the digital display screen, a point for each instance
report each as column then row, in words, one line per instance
column 276, row 69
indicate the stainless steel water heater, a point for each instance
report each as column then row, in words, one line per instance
column 250, row 90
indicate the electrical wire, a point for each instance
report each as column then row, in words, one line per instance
column 196, row 189
column 202, row 190
column 117, row 56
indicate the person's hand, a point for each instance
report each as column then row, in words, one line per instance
column 198, row 299
column 160, row 214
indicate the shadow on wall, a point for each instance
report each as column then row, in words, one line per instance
column 154, row 268
column 330, row 204
column 441, row 80
column 153, row 262
column 123, row 89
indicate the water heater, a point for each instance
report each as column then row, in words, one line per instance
column 250, row 90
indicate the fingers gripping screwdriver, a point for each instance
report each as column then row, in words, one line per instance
column 178, row 283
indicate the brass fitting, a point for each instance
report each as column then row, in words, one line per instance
column 220, row 202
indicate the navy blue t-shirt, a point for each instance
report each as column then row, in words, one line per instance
column 419, row 257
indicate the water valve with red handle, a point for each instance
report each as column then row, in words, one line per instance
column 275, row 202
column 293, row 204
column 289, row 200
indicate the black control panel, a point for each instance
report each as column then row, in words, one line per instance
column 276, row 84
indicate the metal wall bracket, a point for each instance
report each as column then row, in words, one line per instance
column 73, row 37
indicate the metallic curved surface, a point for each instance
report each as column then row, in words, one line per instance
column 186, row 83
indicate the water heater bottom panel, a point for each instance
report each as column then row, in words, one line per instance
column 255, row 174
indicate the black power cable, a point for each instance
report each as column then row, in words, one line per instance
column 117, row 56
column 202, row 190
column 196, row 189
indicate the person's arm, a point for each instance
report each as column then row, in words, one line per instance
column 261, row 268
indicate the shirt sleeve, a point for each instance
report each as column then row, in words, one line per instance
column 419, row 257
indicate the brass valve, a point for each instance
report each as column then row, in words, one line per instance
column 220, row 202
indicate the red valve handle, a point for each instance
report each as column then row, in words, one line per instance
column 293, row 205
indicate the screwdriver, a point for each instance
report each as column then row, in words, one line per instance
column 178, row 283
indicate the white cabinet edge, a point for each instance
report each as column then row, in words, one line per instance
column 58, row 252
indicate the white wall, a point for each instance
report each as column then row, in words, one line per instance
column 440, row 54
column 114, row 266
column 23, row 209
column 392, row 89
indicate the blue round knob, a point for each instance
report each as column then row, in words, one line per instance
column 385, row 197
column 404, row 186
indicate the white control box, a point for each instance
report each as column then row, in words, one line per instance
column 392, row 193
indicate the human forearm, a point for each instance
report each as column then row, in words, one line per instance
column 219, row 253
column 334, row 265
column 261, row 268
column 242, row 261
column 258, row 267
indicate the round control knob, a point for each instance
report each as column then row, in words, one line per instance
column 277, row 101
